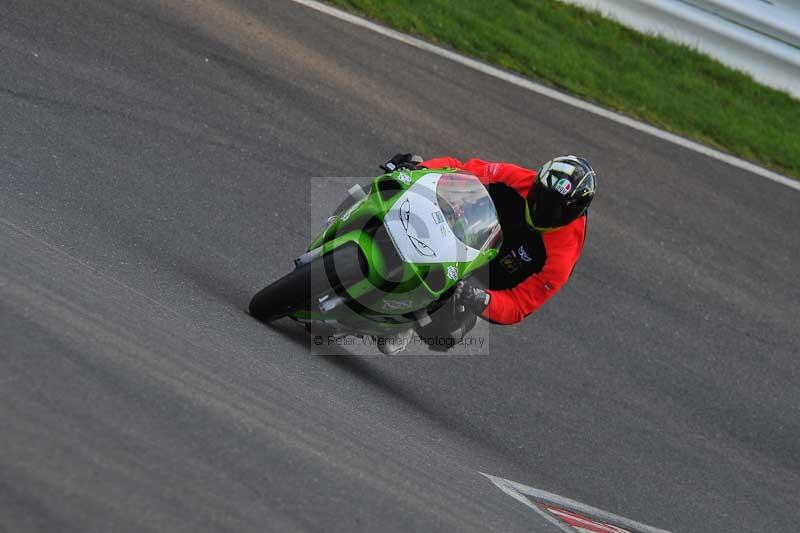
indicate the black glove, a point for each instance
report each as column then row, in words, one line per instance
column 448, row 327
column 471, row 297
column 409, row 161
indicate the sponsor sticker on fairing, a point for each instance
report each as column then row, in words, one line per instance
column 452, row 272
column 395, row 305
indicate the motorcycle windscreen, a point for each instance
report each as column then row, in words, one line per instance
column 443, row 218
column 469, row 211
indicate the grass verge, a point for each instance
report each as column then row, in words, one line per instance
column 665, row 84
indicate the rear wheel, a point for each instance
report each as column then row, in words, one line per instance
column 299, row 290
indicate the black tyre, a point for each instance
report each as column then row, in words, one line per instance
column 299, row 290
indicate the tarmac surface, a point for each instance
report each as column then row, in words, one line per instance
column 156, row 159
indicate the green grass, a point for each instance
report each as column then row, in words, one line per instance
column 665, row 84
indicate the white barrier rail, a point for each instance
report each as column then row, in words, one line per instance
column 760, row 37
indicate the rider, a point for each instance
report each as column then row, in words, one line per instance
column 543, row 217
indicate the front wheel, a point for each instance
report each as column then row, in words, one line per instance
column 299, row 289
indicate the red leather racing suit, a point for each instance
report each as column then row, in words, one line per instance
column 531, row 266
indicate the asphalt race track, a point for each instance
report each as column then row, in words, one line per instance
column 155, row 159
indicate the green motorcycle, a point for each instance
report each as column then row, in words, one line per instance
column 392, row 257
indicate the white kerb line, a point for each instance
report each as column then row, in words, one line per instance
column 551, row 93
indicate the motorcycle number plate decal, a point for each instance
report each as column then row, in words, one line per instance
column 419, row 229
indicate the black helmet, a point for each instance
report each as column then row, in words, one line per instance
column 561, row 193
